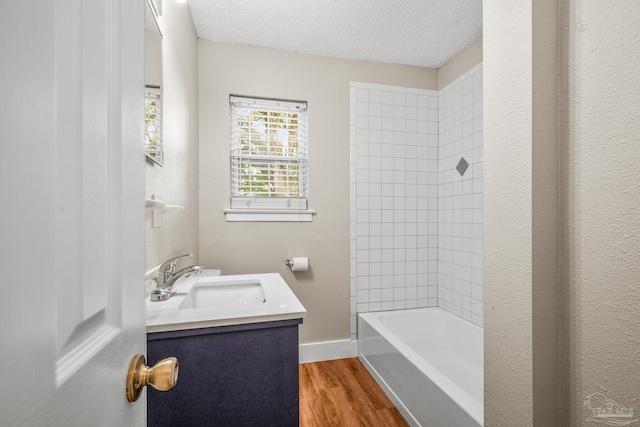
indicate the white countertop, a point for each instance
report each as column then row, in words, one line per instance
column 281, row 304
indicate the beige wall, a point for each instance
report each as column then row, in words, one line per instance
column 600, row 132
column 545, row 225
column 177, row 181
column 521, row 212
column 507, row 214
column 563, row 307
column 469, row 57
column 263, row 247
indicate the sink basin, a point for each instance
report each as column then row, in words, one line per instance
column 224, row 294
column 209, row 300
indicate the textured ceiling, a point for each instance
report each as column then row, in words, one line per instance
column 426, row 33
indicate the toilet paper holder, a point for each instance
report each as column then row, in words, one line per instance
column 298, row 263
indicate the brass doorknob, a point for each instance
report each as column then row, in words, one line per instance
column 162, row 376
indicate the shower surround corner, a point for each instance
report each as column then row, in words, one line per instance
column 415, row 221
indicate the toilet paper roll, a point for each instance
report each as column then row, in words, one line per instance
column 298, row 263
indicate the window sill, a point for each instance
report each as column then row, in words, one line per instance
column 268, row 215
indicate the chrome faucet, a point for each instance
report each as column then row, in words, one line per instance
column 167, row 276
column 168, row 269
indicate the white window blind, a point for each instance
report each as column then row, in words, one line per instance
column 268, row 154
column 153, row 123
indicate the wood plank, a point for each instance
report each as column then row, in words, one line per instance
column 306, row 382
column 318, row 410
column 374, row 393
column 356, row 397
column 346, row 416
column 322, row 375
column 343, row 393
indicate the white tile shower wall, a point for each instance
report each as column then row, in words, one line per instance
column 394, row 198
column 460, row 201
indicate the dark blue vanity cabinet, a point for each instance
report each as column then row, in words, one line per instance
column 240, row 375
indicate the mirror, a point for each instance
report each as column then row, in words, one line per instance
column 153, row 111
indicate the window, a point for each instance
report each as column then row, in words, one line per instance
column 268, row 160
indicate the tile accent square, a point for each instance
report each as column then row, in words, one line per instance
column 462, row 166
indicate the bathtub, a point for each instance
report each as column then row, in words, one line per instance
column 428, row 361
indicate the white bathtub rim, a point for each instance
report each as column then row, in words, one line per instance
column 461, row 397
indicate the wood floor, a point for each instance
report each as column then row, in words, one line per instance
column 343, row 393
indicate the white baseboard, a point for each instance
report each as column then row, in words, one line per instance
column 327, row 350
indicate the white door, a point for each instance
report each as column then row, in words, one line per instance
column 71, row 211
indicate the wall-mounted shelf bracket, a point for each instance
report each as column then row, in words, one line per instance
column 158, row 209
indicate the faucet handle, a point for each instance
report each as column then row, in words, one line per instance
column 169, row 266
